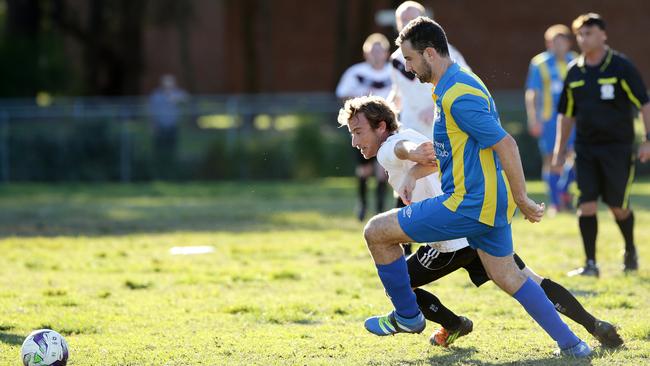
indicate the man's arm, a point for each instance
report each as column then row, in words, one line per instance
column 564, row 127
column 534, row 127
column 508, row 153
column 644, row 149
column 421, row 154
column 416, row 172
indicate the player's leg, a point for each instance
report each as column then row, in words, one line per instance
column 618, row 181
column 565, row 303
column 382, row 183
column 383, row 236
column 428, row 265
column 363, row 171
column 589, row 179
column 551, row 178
column 495, row 250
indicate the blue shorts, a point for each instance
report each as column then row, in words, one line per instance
column 547, row 138
column 430, row 221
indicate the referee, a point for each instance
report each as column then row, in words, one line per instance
column 602, row 93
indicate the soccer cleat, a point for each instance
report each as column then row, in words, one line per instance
column 580, row 350
column 589, row 270
column 392, row 323
column 443, row 337
column 630, row 262
column 607, row 335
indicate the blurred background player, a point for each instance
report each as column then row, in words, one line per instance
column 544, row 84
column 371, row 77
column 410, row 96
column 603, row 92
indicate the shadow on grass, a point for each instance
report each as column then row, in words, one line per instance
column 12, row 339
column 100, row 210
column 113, row 210
column 463, row 355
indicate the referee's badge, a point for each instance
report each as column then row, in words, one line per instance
column 607, row 92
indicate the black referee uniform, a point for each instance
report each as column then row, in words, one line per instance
column 604, row 100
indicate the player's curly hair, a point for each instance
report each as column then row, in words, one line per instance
column 376, row 109
column 424, row 32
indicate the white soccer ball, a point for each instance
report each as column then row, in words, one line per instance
column 44, row 347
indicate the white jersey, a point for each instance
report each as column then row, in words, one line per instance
column 414, row 95
column 425, row 187
column 362, row 79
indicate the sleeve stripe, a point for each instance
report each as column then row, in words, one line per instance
column 630, row 95
column 569, row 104
column 547, row 111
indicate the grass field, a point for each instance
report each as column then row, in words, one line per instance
column 289, row 282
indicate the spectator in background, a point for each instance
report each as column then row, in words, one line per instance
column 371, row 77
column 164, row 108
column 544, row 85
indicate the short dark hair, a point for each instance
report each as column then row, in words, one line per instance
column 587, row 20
column 424, row 32
column 376, row 109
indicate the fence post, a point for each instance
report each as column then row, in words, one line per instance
column 125, row 147
column 4, row 147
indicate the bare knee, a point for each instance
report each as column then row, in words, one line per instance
column 620, row 213
column 588, row 208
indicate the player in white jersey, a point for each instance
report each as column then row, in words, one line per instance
column 412, row 97
column 371, row 77
column 375, row 131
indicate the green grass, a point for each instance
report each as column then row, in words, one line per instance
column 290, row 281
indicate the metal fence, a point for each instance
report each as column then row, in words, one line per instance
column 54, row 134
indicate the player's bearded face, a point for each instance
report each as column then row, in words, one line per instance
column 423, row 71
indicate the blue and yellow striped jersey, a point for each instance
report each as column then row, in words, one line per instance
column 546, row 75
column 468, row 124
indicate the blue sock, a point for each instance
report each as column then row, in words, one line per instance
column 554, row 188
column 395, row 277
column 539, row 307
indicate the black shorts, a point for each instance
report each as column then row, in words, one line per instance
column 428, row 265
column 605, row 171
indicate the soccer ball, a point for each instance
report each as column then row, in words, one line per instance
column 44, row 347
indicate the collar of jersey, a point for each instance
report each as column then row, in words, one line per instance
column 440, row 88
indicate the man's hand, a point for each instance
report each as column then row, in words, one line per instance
column 557, row 164
column 644, row 151
column 405, row 190
column 531, row 210
column 423, row 154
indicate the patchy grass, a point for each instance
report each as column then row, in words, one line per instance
column 289, row 282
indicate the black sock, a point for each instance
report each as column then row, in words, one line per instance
column 627, row 229
column 589, row 230
column 433, row 310
column 565, row 303
column 381, row 195
column 363, row 188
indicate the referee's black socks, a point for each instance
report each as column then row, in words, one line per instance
column 589, row 231
column 627, row 229
column 565, row 303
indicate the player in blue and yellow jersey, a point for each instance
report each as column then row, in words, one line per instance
column 543, row 89
column 482, row 183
